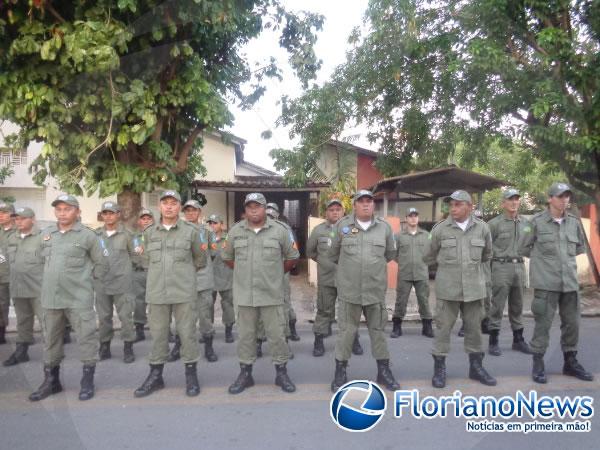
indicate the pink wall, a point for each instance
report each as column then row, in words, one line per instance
column 366, row 173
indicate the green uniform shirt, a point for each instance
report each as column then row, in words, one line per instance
column 460, row 256
column 174, row 257
column 258, row 257
column 26, row 264
column 507, row 234
column 552, row 249
column 4, row 263
column 70, row 259
column 223, row 274
column 411, row 249
column 362, row 258
column 318, row 249
column 205, row 278
column 119, row 250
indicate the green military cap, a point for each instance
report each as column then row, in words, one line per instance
column 255, row 197
column 334, row 201
column 559, row 188
column 412, row 210
column 23, row 211
column 192, row 204
column 362, row 193
column 110, row 206
column 145, row 212
column 215, row 218
column 459, row 196
column 169, row 193
column 510, row 192
column 273, row 206
column 7, row 207
column 66, row 198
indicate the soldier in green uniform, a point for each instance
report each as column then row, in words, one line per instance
column 205, row 283
column 412, row 244
column 115, row 289
column 260, row 250
column 72, row 252
column 318, row 249
column 362, row 247
column 6, row 230
column 460, row 245
column 223, row 279
column 508, row 272
column 175, row 252
column 554, row 241
column 140, row 274
column 26, row 271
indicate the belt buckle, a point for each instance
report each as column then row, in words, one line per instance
column 515, row 260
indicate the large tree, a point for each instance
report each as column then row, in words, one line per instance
column 425, row 77
column 120, row 91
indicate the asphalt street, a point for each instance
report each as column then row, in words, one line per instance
column 264, row 416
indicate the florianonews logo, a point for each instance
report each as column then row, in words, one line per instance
column 358, row 406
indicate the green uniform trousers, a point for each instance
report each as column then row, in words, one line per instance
column 4, row 304
column 185, row 323
column 204, row 305
column 403, row 292
column 26, row 310
column 139, row 290
column 508, row 282
column 228, row 315
column 287, row 299
column 123, row 303
column 487, row 301
column 348, row 322
column 326, row 297
column 544, row 307
column 446, row 314
column 83, row 321
column 273, row 319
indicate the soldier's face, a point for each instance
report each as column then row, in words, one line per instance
column 460, row 211
column 170, row 208
column 511, row 205
column 66, row 214
column 216, row 226
column 363, row 208
column 24, row 224
column 144, row 221
column 191, row 214
column 334, row 213
column 412, row 220
column 109, row 217
column 5, row 218
column 560, row 202
column 255, row 213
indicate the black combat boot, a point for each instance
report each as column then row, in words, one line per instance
column 2, row 335
column 485, row 326
column 20, row 355
column 104, row 352
column 175, row 351
column 396, row 327
column 574, row 369
column 139, row 332
column 51, row 384
column 439, row 371
column 385, row 375
column 538, row 372
column 259, row 352
column 293, row 334
column 319, row 348
column 340, row 378
column 519, row 343
column 244, row 379
column 87, row 382
column 229, row 334
column 192, row 386
column 282, row 379
column 67, row 335
column 209, row 351
column 493, row 347
column 128, row 356
column 427, row 330
column 356, row 347
column 153, row 382
column 477, row 372
column 461, row 331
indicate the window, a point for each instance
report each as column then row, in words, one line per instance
column 13, row 158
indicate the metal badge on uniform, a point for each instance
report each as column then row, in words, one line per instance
column 345, row 230
column 354, row 230
column 204, row 246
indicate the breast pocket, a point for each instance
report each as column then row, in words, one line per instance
column 74, row 258
column 240, row 248
column 448, row 250
column 546, row 243
column 154, row 250
column 349, row 246
column 271, row 249
column 572, row 242
column 378, row 247
column 502, row 241
column 476, row 249
column 323, row 244
column 180, row 250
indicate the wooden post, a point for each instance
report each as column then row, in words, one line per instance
column 385, row 204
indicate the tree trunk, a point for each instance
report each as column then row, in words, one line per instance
column 131, row 204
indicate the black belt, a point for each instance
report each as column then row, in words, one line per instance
column 508, row 260
column 139, row 269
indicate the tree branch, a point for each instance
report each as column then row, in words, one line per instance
column 54, row 12
column 187, row 148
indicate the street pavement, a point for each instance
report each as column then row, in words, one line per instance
column 264, row 416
